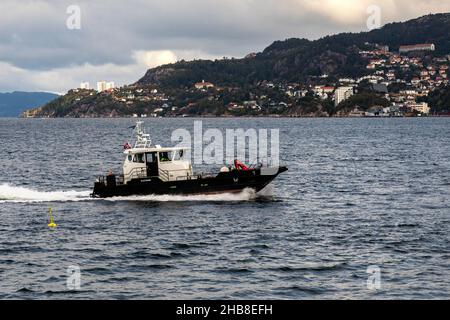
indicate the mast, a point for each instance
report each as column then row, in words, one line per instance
column 142, row 138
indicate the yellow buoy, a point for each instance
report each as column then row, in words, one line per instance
column 52, row 223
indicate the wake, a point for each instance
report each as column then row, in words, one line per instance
column 11, row 194
column 25, row 195
column 245, row 195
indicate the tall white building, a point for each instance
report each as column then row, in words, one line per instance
column 84, row 85
column 110, row 85
column 101, row 86
column 342, row 94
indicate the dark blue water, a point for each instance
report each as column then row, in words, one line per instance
column 359, row 192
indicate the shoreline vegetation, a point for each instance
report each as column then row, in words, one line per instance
column 243, row 117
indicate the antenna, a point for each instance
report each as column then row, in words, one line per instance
column 142, row 138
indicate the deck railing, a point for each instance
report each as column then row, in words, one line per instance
column 165, row 175
column 136, row 173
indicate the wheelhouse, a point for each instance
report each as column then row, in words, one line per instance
column 169, row 164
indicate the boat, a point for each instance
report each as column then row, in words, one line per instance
column 154, row 170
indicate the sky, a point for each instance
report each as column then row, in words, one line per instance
column 54, row 45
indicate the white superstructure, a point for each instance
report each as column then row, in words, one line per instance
column 145, row 160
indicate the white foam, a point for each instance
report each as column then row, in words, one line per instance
column 245, row 195
column 21, row 194
column 10, row 194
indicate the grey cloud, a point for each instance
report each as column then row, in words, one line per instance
column 33, row 34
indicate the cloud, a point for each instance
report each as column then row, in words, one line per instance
column 152, row 59
column 59, row 80
column 323, row 17
column 119, row 40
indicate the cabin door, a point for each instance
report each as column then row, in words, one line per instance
column 152, row 164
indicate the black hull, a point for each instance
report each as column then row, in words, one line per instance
column 230, row 182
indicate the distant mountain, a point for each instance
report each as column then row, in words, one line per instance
column 297, row 60
column 13, row 104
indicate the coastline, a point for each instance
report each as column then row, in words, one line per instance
column 234, row 117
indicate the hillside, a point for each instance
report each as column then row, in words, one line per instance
column 440, row 100
column 298, row 60
column 13, row 104
column 79, row 104
column 280, row 80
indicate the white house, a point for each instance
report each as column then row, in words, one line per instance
column 420, row 107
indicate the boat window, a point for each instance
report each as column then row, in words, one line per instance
column 130, row 158
column 139, row 158
column 165, row 156
column 179, row 155
column 151, row 157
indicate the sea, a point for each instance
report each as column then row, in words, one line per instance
column 362, row 213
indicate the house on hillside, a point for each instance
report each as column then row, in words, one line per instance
column 417, row 47
column 203, row 85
